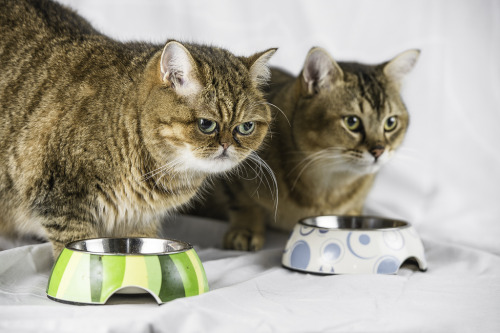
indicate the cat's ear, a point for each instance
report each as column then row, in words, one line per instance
column 320, row 71
column 258, row 66
column 397, row 68
column 178, row 69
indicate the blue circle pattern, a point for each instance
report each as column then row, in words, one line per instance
column 304, row 230
column 301, row 255
column 387, row 265
column 364, row 239
column 349, row 246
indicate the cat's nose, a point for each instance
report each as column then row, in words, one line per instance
column 377, row 151
column 225, row 145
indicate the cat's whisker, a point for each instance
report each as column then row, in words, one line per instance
column 307, row 152
column 328, row 165
column 150, row 174
column 169, row 170
column 159, row 183
column 312, row 159
column 264, row 120
column 272, row 183
column 281, row 111
column 257, row 175
column 312, row 156
column 318, row 157
column 154, row 173
column 168, row 166
column 246, row 162
column 171, row 165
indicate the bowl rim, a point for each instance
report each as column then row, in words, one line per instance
column 393, row 224
column 185, row 246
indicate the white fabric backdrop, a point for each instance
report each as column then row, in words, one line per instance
column 445, row 179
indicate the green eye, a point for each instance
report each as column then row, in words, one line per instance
column 390, row 124
column 207, row 126
column 352, row 123
column 246, row 128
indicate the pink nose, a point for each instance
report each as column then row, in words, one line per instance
column 377, row 151
column 225, row 145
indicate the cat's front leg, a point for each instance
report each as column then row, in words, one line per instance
column 246, row 229
column 62, row 230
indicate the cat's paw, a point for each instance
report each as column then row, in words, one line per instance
column 243, row 240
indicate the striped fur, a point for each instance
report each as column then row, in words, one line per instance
column 95, row 141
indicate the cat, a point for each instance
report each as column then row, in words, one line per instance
column 100, row 138
column 335, row 126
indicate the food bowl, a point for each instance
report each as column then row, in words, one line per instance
column 91, row 271
column 352, row 245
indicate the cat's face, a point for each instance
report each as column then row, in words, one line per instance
column 351, row 117
column 208, row 113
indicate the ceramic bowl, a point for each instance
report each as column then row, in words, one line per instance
column 352, row 245
column 91, row 271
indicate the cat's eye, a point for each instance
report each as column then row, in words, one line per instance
column 390, row 124
column 246, row 128
column 352, row 123
column 207, row 126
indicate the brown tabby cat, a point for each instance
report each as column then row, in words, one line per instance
column 341, row 123
column 100, row 138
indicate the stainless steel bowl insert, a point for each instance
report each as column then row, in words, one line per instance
column 129, row 246
column 353, row 222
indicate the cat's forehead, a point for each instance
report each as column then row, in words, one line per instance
column 220, row 69
column 228, row 92
column 233, row 109
column 367, row 89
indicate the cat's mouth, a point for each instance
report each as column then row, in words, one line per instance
column 219, row 161
column 367, row 163
column 222, row 162
column 223, row 155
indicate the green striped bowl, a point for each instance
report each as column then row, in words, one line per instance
column 91, row 271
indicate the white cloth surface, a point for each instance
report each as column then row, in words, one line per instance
column 251, row 292
column 445, row 179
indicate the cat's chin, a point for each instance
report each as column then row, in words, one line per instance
column 217, row 163
column 366, row 169
column 209, row 165
column 363, row 168
column 368, row 165
column 213, row 166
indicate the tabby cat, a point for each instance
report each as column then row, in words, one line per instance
column 341, row 123
column 101, row 138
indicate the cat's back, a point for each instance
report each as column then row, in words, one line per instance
column 280, row 79
column 48, row 52
column 36, row 37
column 279, row 76
column 22, row 20
column 58, row 76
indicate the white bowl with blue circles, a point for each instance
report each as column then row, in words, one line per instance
column 334, row 244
